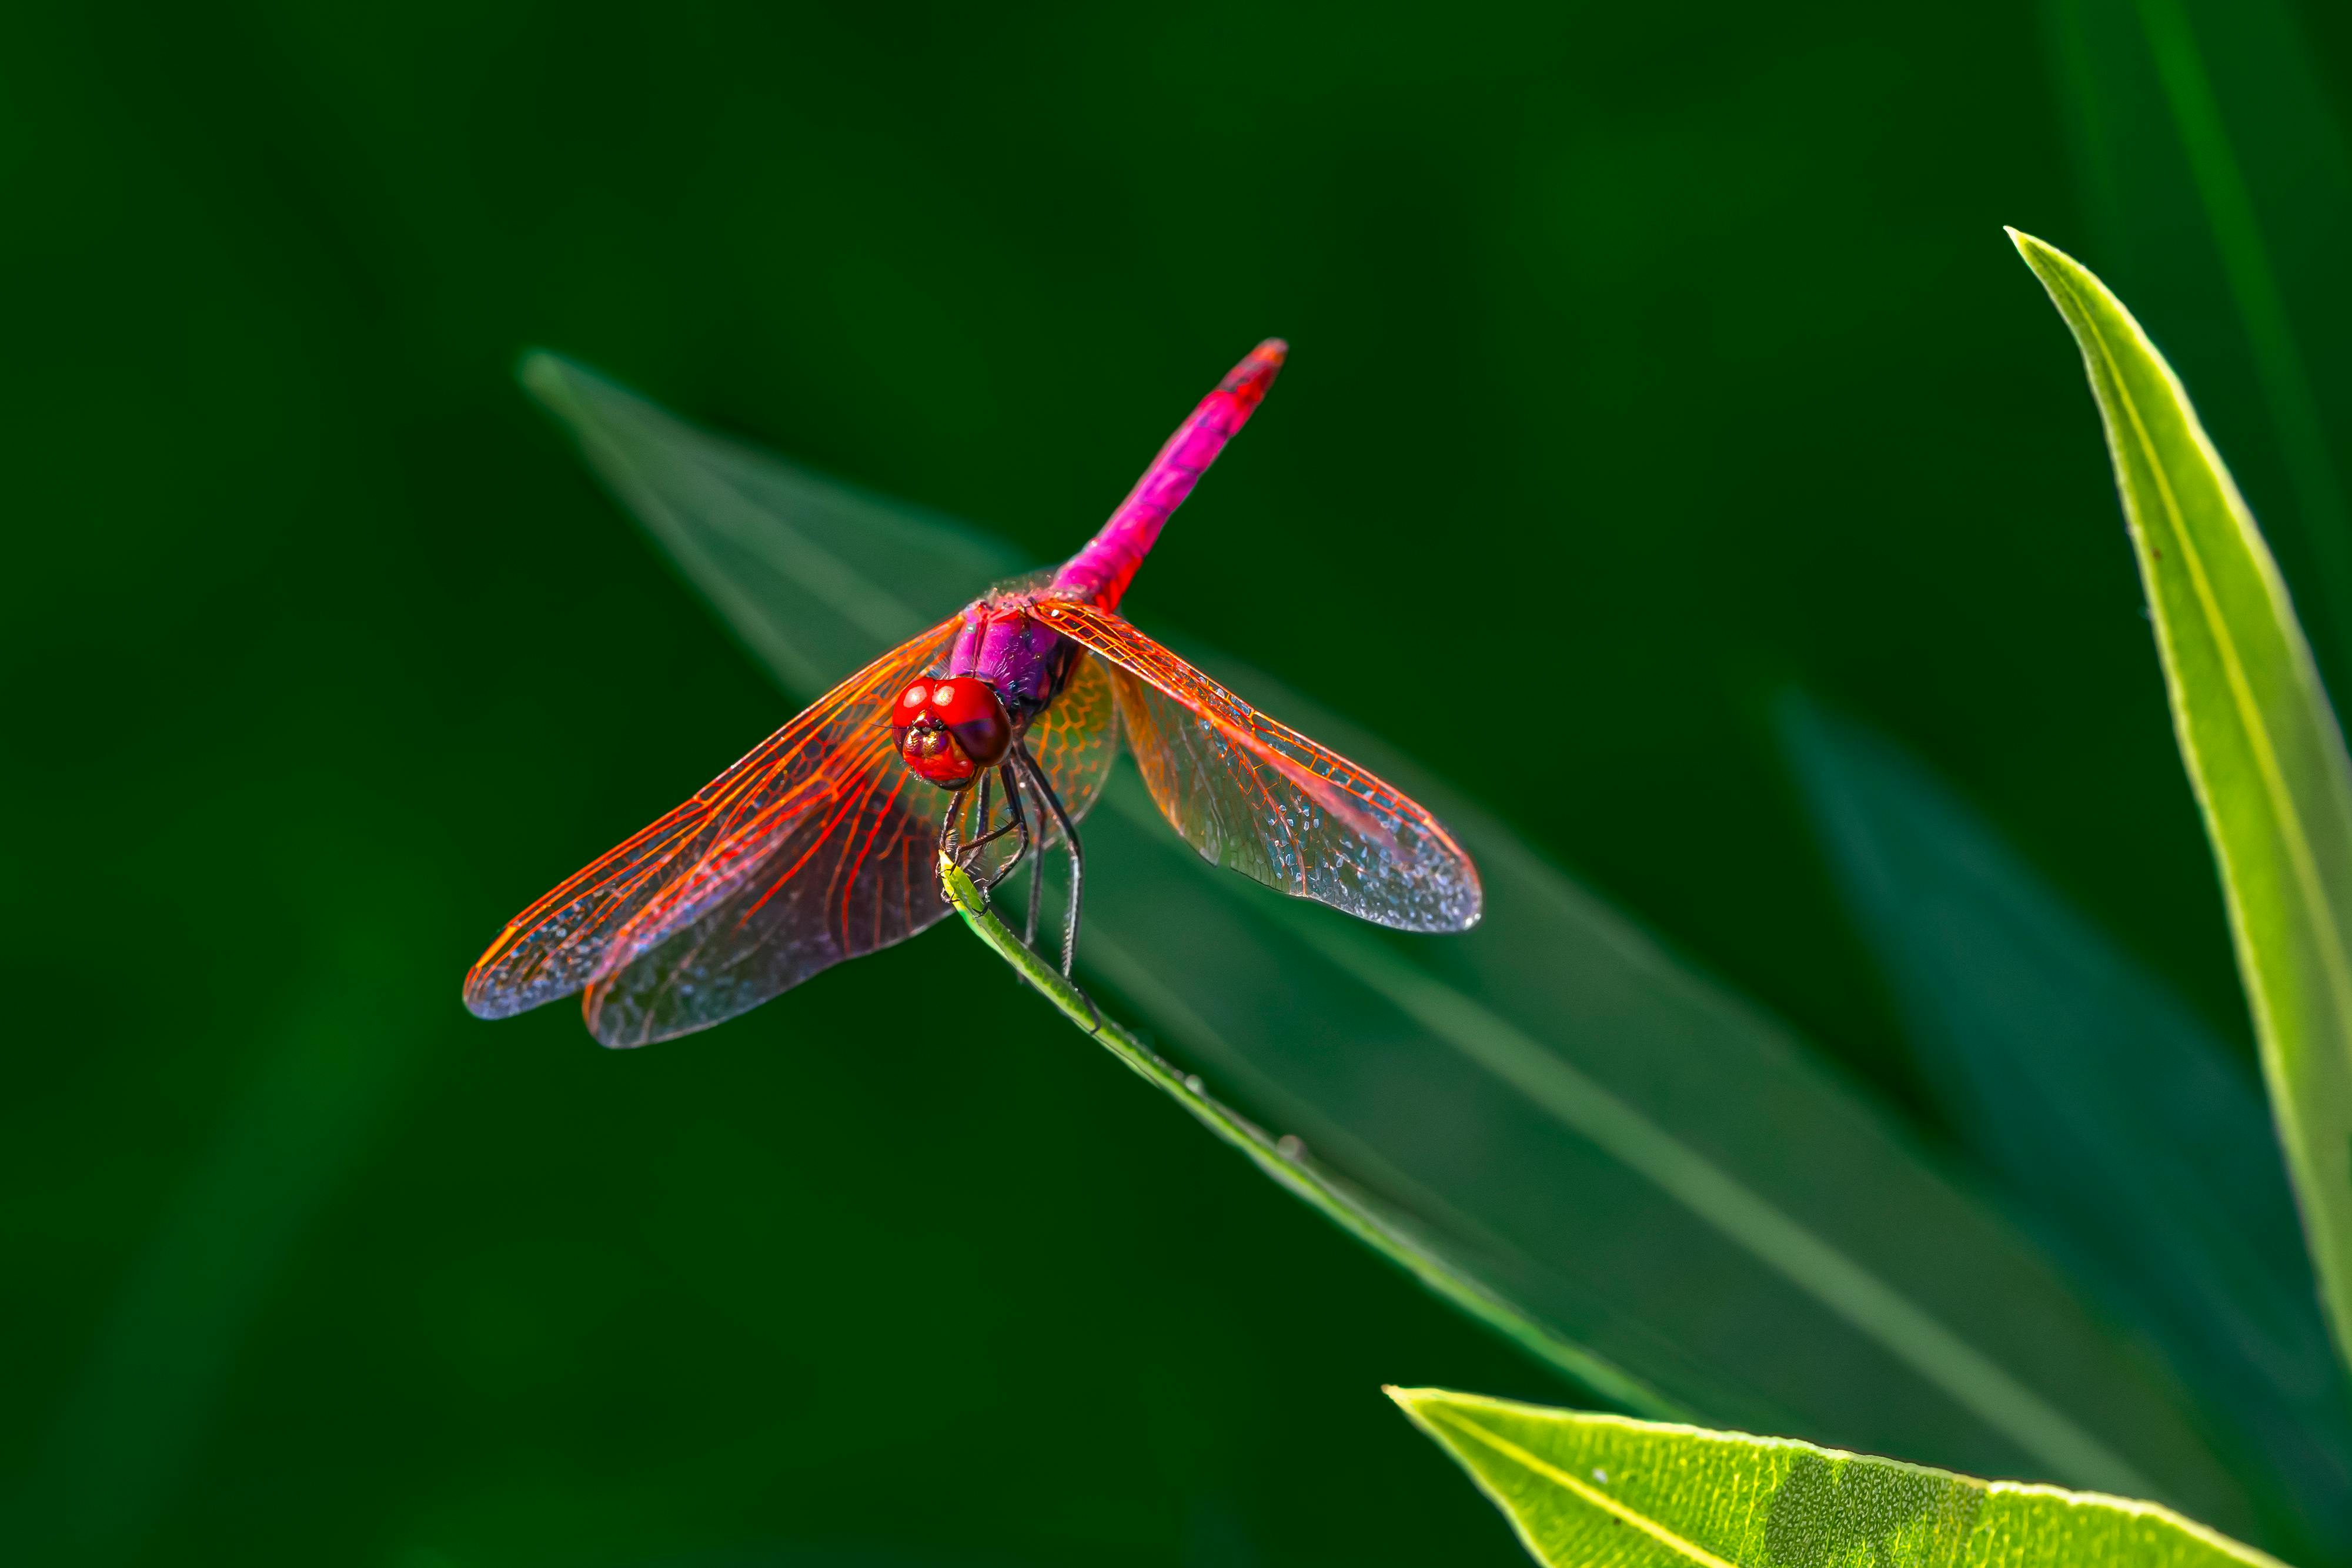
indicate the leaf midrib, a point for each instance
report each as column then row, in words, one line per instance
column 2242, row 697
column 1582, row 1489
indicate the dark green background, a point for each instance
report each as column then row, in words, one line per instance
column 1645, row 358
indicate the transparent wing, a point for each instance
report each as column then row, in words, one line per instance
column 1260, row 798
column 822, row 803
column 846, row 864
column 1076, row 740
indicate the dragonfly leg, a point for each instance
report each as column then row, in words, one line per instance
column 969, row 853
column 950, row 845
column 1045, row 788
column 1017, row 823
column 1036, row 892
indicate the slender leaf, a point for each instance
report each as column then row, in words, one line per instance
column 1638, row 1163
column 2262, row 750
column 1581, row 1488
column 2127, row 1138
column 1286, row 1159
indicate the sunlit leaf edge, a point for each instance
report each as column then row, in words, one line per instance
column 2267, row 762
column 1728, row 1475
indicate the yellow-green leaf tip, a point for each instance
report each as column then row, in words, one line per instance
column 2042, row 255
column 1582, row 1487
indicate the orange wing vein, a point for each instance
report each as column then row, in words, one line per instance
column 1077, row 740
column 1256, row 795
column 817, row 846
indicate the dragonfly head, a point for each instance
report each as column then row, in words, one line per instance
column 948, row 730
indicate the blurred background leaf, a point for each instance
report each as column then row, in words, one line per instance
column 2123, row 1133
column 1601, row 1138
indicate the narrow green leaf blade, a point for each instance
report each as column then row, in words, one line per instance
column 2261, row 745
column 1392, row 1234
column 1580, row 1125
column 1582, row 1489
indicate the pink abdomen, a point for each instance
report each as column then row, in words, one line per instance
column 1101, row 571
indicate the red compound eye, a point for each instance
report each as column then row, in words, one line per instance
column 949, row 729
column 959, row 701
column 970, row 709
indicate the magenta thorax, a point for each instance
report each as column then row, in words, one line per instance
column 1027, row 662
column 1024, row 660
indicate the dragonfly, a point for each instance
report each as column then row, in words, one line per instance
column 982, row 742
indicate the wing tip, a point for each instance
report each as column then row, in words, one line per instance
column 487, row 1004
column 487, row 996
column 1443, row 922
column 491, row 1005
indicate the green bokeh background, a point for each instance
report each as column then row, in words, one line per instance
column 1644, row 360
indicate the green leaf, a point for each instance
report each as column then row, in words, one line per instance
column 2128, row 1140
column 2263, row 752
column 1582, row 1489
column 1577, row 1125
column 1362, row 1216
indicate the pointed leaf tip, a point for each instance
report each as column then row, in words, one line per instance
column 2049, row 263
column 1577, row 1488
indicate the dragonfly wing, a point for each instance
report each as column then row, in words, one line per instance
column 685, row 866
column 1258, row 797
column 849, row 867
column 1076, row 740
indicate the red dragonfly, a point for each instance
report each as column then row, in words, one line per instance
column 823, row 844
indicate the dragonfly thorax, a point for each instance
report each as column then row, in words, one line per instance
column 948, row 730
